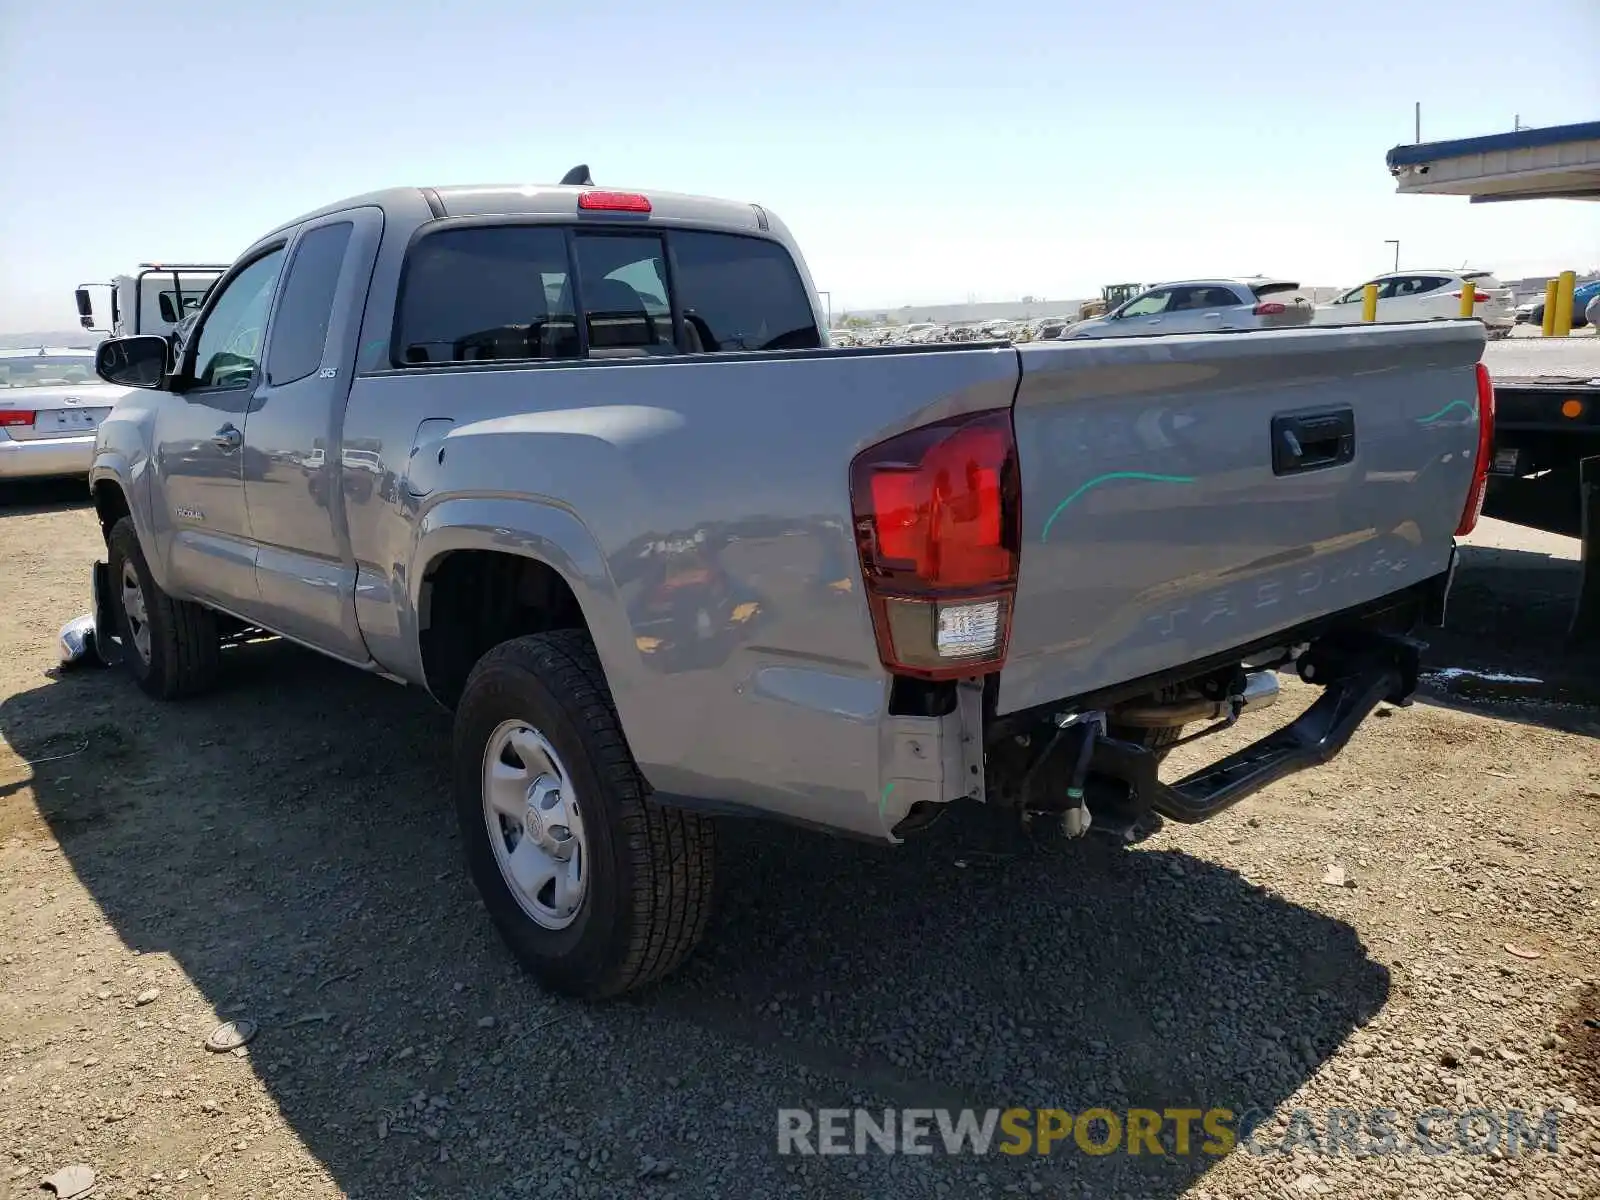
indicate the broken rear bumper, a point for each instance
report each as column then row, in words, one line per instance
column 1358, row 673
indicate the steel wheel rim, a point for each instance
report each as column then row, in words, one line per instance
column 535, row 825
column 133, row 607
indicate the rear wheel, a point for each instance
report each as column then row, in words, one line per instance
column 1158, row 740
column 171, row 646
column 1155, row 738
column 595, row 887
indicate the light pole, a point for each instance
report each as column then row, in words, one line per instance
column 1396, row 244
column 829, row 303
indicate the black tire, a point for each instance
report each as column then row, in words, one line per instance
column 649, row 868
column 1158, row 740
column 185, row 649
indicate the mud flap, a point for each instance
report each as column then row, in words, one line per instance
column 1585, row 626
column 107, row 641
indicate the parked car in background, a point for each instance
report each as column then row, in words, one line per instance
column 1424, row 296
column 1200, row 306
column 1583, row 297
column 51, row 403
column 1591, row 313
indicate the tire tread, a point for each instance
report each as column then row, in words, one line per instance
column 185, row 645
column 672, row 852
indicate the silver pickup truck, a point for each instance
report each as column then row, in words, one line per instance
column 582, row 464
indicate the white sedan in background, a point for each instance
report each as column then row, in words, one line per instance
column 1426, row 296
column 1200, row 306
column 51, row 404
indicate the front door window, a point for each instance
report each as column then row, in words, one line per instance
column 228, row 349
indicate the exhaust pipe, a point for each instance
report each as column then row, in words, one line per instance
column 1260, row 691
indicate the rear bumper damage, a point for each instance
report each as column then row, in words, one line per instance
column 1093, row 764
column 1357, row 674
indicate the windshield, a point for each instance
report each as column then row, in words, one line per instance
column 171, row 296
column 45, row 370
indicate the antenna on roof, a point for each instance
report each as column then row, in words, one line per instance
column 578, row 177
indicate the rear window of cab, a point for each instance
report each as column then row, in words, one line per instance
column 528, row 293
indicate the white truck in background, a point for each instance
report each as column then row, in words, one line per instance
column 154, row 299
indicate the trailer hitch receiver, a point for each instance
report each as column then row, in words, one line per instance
column 1357, row 672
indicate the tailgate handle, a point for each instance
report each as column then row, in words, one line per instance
column 1312, row 441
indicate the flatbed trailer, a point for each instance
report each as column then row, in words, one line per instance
column 1545, row 472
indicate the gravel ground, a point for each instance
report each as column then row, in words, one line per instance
column 284, row 852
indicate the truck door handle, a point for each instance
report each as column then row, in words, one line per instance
column 227, row 438
column 1312, row 441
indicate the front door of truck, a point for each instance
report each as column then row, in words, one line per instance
column 201, row 458
column 305, row 575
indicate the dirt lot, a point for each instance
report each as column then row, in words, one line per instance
column 284, row 852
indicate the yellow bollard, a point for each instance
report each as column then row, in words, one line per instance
column 1563, row 324
column 1547, row 327
column 1469, row 297
column 1369, row 302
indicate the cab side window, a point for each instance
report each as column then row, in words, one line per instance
column 228, row 348
column 300, row 329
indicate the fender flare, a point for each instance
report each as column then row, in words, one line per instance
column 547, row 533
column 113, row 466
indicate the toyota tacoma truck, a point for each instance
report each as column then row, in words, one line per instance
column 580, row 463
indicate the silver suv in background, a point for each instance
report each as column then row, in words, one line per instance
column 1201, row 305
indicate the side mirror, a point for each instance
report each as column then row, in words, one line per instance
column 139, row 362
column 85, row 308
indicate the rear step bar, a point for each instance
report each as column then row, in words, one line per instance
column 1358, row 675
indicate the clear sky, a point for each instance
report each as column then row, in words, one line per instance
column 921, row 152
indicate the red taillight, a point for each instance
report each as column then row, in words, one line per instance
column 938, row 520
column 614, row 202
column 1480, row 467
column 15, row 417
column 1270, row 308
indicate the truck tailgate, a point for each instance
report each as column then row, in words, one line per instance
column 1185, row 495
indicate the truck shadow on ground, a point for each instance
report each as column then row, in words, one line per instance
column 299, row 862
column 1505, row 648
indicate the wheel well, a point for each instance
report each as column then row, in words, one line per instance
column 472, row 600
column 110, row 505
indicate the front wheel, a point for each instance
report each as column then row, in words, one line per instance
column 171, row 646
column 595, row 887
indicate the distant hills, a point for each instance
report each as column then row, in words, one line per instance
column 54, row 338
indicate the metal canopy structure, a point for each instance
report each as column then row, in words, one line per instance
column 1560, row 162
